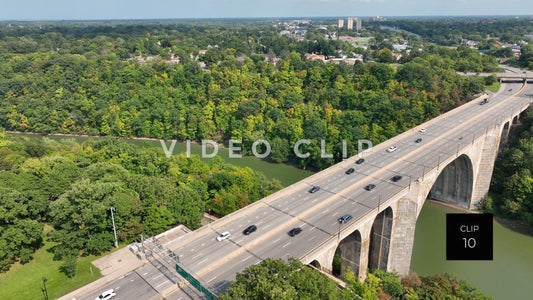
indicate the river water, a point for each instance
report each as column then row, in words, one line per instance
column 508, row 276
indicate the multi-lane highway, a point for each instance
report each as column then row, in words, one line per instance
column 215, row 263
column 316, row 213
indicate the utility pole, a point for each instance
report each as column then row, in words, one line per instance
column 44, row 289
column 114, row 229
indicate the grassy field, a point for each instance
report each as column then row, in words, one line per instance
column 495, row 87
column 26, row 281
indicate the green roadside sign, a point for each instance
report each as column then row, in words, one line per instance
column 194, row 282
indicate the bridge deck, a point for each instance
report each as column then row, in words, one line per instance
column 216, row 263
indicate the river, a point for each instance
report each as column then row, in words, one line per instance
column 508, row 276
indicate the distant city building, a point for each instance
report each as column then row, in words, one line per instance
column 378, row 19
column 341, row 23
column 357, row 22
column 350, row 24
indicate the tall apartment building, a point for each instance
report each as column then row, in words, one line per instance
column 341, row 23
column 350, row 23
column 358, row 24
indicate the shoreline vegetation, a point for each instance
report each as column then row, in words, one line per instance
column 275, row 80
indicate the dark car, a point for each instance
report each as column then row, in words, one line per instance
column 249, row 229
column 396, row 178
column 418, row 140
column 360, row 161
column 314, row 189
column 295, row 231
column 345, row 219
column 370, row 187
column 350, row 171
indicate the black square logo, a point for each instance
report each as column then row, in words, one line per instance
column 468, row 236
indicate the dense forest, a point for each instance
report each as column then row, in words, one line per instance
column 512, row 182
column 118, row 80
column 275, row 279
column 195, row 81
column 72, row 187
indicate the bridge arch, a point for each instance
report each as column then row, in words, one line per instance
column 455, row 183
column 348, row 254
column 316, row 264
column 380, row 240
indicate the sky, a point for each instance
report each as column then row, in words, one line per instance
column 169, row 9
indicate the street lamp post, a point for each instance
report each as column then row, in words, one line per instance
column 114, row 229
column 44, row 288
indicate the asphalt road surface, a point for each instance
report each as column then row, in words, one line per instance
column 216, row 263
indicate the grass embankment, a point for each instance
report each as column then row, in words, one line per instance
column 26, row 281
column 495, row 87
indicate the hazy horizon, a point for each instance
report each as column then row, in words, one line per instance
column 96, row 10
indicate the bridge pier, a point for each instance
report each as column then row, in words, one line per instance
column 489, row 152
column 403, row 236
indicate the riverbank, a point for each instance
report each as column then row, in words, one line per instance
column 287, row 174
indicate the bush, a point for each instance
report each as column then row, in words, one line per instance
column 390, row 283
column 69, row 266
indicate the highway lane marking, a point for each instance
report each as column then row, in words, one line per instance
column 312, row 238
column 157, row 276
column 211, row 279
column 286, row 245
column 247, row 258
column 276, row 241
column 217, row 263
column 163, row 283
column 145, row 274
column 202, row 261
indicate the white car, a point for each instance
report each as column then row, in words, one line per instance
column 423, row 130
column 224, row 235
column 392, row 149
column 106, row 295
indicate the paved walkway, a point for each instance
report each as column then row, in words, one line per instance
column 112, row 266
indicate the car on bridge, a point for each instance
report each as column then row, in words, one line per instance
column 418, row 140
column 249, row 229
column 360, row 161
column 314, row 189
column 392, row 149
column 370, row 187
column 295, row 231
column 345, row 218
column 350, row 171
column 106, row 295
column 423, row 130
column 396, row 178
column 484, row 101
column 224, row 235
